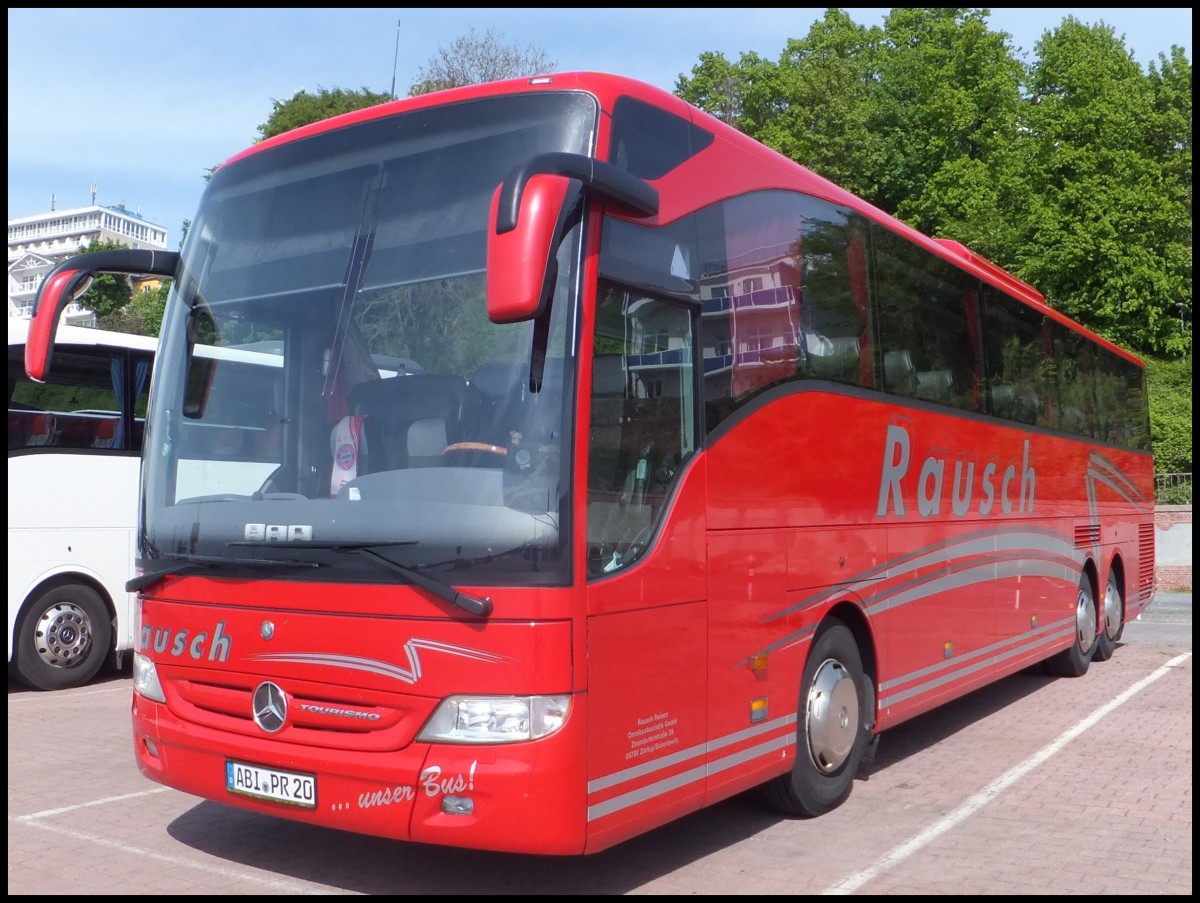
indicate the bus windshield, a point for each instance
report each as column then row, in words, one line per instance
column 331, row 381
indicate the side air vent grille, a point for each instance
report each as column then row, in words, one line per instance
column 1087, row 535
column 1145, row 556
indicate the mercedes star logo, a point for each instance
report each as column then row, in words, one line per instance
column 270, row 707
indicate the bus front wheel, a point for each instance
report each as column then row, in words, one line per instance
column 831, row 733
column 63, row 639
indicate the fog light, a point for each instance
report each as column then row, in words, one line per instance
column 458, row 805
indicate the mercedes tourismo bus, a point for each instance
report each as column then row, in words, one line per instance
column 74, row 452
column 704, row 474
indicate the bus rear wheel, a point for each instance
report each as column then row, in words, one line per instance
column 1112, row 609
column 63, row 639
column 832, row 732
column 1073, row 662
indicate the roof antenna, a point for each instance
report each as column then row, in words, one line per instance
column 396, row 59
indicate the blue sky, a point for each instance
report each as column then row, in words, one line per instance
column 142, row 102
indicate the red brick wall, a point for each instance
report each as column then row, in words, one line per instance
column 1165, row 518
column 1174, row 578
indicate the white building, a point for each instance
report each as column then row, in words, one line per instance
column 36, row 244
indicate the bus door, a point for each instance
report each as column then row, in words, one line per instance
column 646, row 566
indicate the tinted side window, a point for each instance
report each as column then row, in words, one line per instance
column 1020, row 364
column 642, row 424
column 1120, row 403
column 928, row 323
column 782, row 283
column 79, row 408
column 650, row 142
column 1074, row 373
column 785, row 288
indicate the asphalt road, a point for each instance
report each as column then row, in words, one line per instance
column 1034, row 785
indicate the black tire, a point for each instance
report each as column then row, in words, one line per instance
column 832, row 729
column 63, row 639
column 1112, row 609
column 1073, row 662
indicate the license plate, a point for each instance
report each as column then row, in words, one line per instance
column 271, row 784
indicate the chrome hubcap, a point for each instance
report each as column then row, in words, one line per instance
column 1085, row 620
column 1112, row 611
column 831, row 716
column 63, row 636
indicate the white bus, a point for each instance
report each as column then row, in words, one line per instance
column 74, row 455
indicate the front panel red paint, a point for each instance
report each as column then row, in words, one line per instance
column 646, row 642
column 359, row 687
column 648, row 718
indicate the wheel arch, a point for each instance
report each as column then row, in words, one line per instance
column 1092, row 572
column 64, row 578
column 1116, row 568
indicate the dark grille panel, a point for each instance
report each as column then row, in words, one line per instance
column 1145, row 556
column 335, row 717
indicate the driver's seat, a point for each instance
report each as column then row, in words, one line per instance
column 426, row 442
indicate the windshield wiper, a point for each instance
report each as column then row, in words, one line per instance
column 186, row 563
column 473, row 604
column 440, row 588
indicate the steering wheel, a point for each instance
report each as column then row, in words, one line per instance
column 497, row 453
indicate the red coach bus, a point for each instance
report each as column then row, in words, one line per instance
column 613, row 465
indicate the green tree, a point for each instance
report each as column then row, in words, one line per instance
column 945, row 105
column 1170, row 139
column 108, row 294
column 716, row 86
column 916, row 117
column 117, row 307
column 1109, row 224
column 472, row 59
column 825, row 82
column 1169, row 387
column 811, row 106
column 304, row 108
column 145, row 310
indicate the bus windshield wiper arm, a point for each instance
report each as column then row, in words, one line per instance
column 187, row 563
column 440, row 588
column 443, row 590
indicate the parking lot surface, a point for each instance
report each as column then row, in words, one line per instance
column 1035, row 785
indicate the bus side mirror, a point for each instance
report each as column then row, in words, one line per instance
column 60, row 288
column 527, row 211
column 519, row 255
column 70, row 279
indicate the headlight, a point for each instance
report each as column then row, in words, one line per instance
column 145, row 678
column 495, row 719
